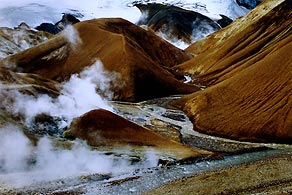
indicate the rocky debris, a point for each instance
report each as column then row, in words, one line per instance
column 139, row 57
column 19, row 39
column 98, row 129
column 174, row 124
column 46, row 125
column 248, row 77
column 175, row 22
column 151, row 116
column 261, row 166
column 67, row 19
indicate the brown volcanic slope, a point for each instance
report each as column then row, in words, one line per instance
column 104, row 128
column 27, row 83
column 139, row 56
column 249, row 74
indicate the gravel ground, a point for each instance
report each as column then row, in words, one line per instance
column 245, row 168
column 270, row 176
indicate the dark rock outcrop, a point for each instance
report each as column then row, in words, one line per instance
column 176, row 22
column 247, row 70
column 48, row 27
column 141, row 58
column 67, row 19
column 224, row 21
column 249, row 4
column 104, row 128
column 44, row 124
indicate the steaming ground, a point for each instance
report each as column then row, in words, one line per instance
column 79, row 96
column 22, row 164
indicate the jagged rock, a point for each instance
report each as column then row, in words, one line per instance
column 175, row 22
column 247, row 67
column 224, row 21
column 48, row 27
column 19, row 39
column 140, row 57
column 67, row 19
column 104, row 128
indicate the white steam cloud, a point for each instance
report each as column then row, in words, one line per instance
column 79, row 95
column 14, row 148
column 174, row 41
column 22, row 164
column 72, row 36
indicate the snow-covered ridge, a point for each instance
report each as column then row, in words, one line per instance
column 33, row 12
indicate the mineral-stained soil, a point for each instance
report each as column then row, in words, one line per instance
column 248, row 77
column 271, row 176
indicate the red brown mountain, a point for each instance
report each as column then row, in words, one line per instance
column 140, row 57
column 247, row 68
column 98, row 129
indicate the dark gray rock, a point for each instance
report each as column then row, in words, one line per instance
column 67, row 19
column 249, row 4
column 224, row 21
column 176, row 22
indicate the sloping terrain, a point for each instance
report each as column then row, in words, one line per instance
column 247, row 69
column 139, row 57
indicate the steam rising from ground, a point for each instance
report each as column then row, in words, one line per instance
column 72, row 36
column 22, row 164
column 79, row 95
column 14, row 148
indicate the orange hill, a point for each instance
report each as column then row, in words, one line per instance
column 98, row 129
column 248, row 70
column 140, row 57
